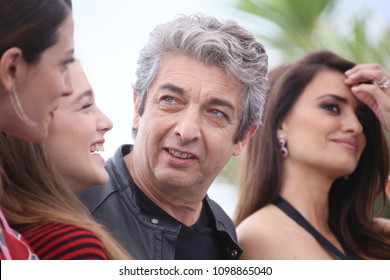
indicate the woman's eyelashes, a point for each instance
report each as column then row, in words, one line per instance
column 336, row 109
column 331, row 107
column 86, row 106
column 67, row 62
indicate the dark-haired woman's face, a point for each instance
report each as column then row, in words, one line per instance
column 323, row 130
column 41, row 85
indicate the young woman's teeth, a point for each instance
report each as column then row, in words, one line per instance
column 97, row 148
column 179, row 155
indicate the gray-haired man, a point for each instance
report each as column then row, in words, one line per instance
column 199, row 96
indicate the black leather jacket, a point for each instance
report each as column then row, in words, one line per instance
column 144, row 236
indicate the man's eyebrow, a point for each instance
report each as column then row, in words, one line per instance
column 86, row 93
column 173, row 88
column 222, row 102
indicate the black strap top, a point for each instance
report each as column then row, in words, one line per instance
column 299, row 219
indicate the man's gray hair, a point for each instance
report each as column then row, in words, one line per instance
column 223, row 44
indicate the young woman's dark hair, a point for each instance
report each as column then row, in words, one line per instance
column 31, row 25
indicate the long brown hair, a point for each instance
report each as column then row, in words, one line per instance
column 32, row 193
column 31, row 25
column 351, row 202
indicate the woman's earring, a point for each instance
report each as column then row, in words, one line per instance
column 282, row 146
column 19, row 109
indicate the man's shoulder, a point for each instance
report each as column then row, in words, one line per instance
column 216, row 208
column 221, row 217
column 225, row 227
column 94, row 196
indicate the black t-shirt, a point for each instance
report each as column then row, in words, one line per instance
column 198, row 242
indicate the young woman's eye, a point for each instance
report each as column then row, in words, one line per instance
column 86, row 106
column 331, row 108
column 69, row 61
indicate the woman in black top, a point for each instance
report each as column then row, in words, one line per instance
column 312, row 173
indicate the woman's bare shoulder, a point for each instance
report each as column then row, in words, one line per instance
column 262, row 235
column 383, row 223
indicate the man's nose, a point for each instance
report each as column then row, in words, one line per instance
column 188, row 126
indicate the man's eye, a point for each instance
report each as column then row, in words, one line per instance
column 168, row 99
column 217, row 113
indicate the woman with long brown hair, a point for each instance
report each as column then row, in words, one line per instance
column 313, row 172
column 39, row 180
column 36, row 46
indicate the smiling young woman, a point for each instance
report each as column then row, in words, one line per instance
column 38, row 188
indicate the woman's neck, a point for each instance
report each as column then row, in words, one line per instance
column 308, row 192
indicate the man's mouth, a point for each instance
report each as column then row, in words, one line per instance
column 179, row 154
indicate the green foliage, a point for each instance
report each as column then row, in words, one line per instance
column 296, row 24
column 306, row 25
column 230, row 171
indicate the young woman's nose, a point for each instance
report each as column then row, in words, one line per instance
column 352, row 124
column 104, row 123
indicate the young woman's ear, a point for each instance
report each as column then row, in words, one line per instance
column 9, row 63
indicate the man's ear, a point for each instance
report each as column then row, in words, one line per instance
column 9, row 63
column 136, row 116
column 239, row 146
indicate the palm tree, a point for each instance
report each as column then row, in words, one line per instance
column 306, row 25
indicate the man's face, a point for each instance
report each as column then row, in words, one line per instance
column 185, row 135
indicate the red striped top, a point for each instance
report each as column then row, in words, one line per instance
column 57, row 241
